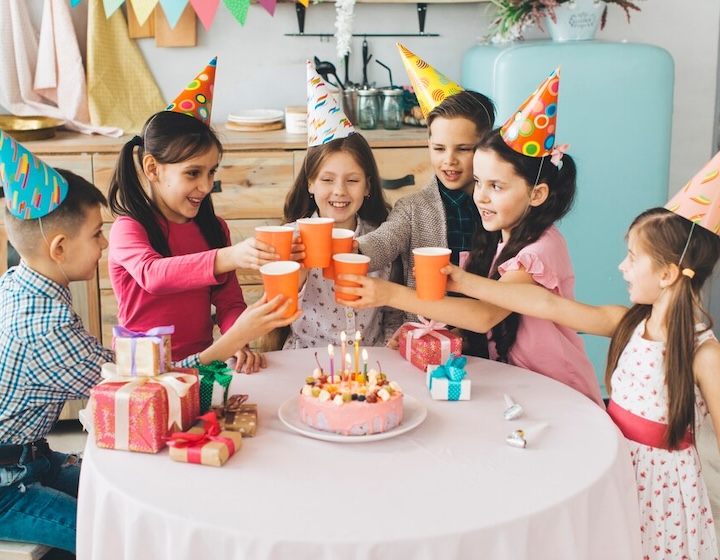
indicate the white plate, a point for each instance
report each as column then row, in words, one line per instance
column 414, row 413
column 256, row 116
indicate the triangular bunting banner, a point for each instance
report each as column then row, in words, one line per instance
column 238, row 8
column 74, row 3
column 304, row 2
column 173, row 10
column 111, row 6
column 269, row 6
column 205, row 10
column 143, row 9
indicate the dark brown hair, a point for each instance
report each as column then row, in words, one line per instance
column 170, row 137
column 662, row 235
column 561, row 194
column 468, row 104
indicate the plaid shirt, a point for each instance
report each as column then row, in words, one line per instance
column 46, row 355
column 462, row 219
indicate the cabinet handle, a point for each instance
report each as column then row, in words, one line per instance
column 392, row 184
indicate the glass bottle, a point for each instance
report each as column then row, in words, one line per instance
column 368, row 108
column 392, row 109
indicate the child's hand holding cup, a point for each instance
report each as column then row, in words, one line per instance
column 349, row 263
column 430, row 281
column 282, row 277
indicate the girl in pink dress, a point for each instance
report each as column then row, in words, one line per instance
column 662, row 370
column 519, row 198
column 171, row 259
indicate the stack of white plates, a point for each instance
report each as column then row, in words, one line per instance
column 255, row 120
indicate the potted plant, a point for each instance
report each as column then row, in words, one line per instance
column 514, row 16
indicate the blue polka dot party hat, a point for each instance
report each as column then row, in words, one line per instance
column 32, row 188
column 196, row 99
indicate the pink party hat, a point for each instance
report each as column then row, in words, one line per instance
column 699, row 199
column 531, row 130
column 326, row 120
column 32, row 188
column 196, row 99
column 431, row 87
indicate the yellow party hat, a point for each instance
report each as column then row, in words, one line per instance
column 431, row 87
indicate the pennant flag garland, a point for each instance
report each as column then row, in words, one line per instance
column 205, row 10
column 238, row 8
column 143, row 9
column 173, row 10
column 269, row 6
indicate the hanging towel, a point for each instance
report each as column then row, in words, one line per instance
column 19, row 59
column 121, row 90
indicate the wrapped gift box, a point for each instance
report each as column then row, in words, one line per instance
column 205, row 444
column 425, row 344
column 240, row 416
column 449, row 382
column 138, row 413
column 148, row 353
column 215, row 380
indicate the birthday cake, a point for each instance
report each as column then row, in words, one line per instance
column 351, row 405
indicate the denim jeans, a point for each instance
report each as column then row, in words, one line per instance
column 38, row 500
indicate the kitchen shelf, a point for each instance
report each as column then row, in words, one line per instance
column 421, row 13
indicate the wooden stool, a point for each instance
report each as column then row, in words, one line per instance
column 10, row 550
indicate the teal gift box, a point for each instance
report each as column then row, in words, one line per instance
column 449, row 382
column 215, row 379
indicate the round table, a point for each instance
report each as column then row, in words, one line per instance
column 451, row 488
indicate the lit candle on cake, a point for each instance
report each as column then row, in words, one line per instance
column 343, row 338
column 365, row 359
column 357, row 351
column 348, row 365
column 331, row 353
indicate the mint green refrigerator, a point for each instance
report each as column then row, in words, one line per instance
column 615, row 110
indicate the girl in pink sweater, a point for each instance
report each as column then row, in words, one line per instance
column 171, row 258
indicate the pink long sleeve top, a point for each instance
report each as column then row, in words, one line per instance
column 153, row 290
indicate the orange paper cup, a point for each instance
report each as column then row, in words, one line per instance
column 430, row 282
column 316, row 235
column 342, row 241
column 279, row 237
column 282, row 277
column 349, row 263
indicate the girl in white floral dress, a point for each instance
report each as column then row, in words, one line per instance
column 663, row 371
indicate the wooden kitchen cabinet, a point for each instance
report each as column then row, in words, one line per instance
column 256, row 172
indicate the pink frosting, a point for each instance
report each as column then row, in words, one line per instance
column 352, row 418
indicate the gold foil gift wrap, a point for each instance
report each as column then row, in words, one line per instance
column 240, row 416
column 205, row 444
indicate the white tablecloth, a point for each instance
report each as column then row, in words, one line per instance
column 449, row 489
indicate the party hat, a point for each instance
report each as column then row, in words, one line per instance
column 32, row 188
column 531, row 130
column 326, row 120
column 430, row 86
column 196, row 99
column 699, row 199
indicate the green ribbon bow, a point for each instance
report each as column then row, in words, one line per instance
column 454, row 371
column 216, row 372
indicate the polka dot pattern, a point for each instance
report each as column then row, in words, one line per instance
column 531, row 130
column 196, row 99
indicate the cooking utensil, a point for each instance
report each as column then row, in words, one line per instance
column 326, row 69
column 24, row 129
column 392, row 86
column 366, row 61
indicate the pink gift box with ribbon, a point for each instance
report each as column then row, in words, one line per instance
column 137, row 413
column 427, row 343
